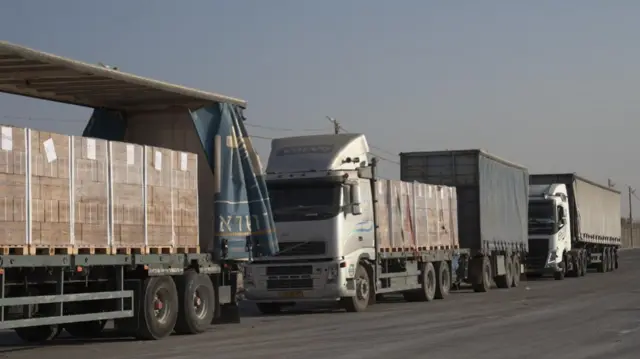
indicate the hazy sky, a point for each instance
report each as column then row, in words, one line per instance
column 553, row 85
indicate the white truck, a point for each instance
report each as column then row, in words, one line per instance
column 574, row 224
column 345, row 236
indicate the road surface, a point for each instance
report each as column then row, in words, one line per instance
column 597, row 316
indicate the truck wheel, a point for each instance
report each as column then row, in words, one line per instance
column 504, row 281
column 559, row 275
column 360, row 301
column 196, row 298
column 575, row 267
column 483, row 284
column 602, row 266
column 428, row 285
column 91, row 329
column 612, row 260
column 39, row 334
column 515, row 281
column 585, row 263
column 159, row 308
column 615, row 259
column 269, row 308
column 443, row 283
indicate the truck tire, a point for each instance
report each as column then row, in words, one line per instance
column 612, row 259
column 41, row 333
column 615, row 259
column 504, row 281
column 584, row 256
column 196, row 298
column 360, row 301
column 158, row 311
column 86, row 330
column 443, row 283
column 269, row 308
column 575, row 267
column 559, row 275
column 515, row 280
column 483, row 284
column 602, row 266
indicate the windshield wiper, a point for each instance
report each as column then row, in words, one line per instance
column 292, row 247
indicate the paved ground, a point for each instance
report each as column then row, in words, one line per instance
column 597, row 316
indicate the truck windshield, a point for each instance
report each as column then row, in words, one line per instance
column 543, row 211
column 308, row 202
column 542, row 217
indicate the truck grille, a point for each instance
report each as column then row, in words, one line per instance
column 275, row 284
column 301, row 248
column 538, row 251
column 289, row 270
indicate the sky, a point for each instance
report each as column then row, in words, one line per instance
column 552, row 85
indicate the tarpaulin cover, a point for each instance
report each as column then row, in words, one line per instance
column 241, row 216
column 416, row 216
column 492, row 195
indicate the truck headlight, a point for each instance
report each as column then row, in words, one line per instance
column 332, row 273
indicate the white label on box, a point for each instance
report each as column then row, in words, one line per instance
column 157, row 163
column 183, row 161
column 131, row 155
column 91, row 148
column 7, row 138
column 50, row 150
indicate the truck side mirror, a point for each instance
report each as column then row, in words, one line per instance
column 355, row 198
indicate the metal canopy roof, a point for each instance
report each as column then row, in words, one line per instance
column 31, row 73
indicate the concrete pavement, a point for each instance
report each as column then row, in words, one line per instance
column 597, row 316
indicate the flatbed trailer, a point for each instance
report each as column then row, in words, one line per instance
column 419, row 274
column 148, row 295
column 492, row 196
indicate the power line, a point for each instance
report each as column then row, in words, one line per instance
column 337, row 129
column 340, row 127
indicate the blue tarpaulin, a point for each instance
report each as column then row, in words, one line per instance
column 243, row 219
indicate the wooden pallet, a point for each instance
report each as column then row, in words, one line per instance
column 160, row 250
column 51, row 251
column 145, row 250
column 128, row 250
column 93, row 250
column 15, row 250
column 188, row 250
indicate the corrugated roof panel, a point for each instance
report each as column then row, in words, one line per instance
column 32, row 73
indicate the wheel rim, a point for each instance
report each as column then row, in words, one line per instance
column 363, row 288
column 160, row 309
column 199, row 305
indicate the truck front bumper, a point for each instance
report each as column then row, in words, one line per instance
column 297, row 283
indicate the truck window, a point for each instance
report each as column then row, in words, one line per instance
column 304, row 202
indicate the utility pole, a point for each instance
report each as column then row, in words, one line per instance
column 336, row 124
column 631, row 193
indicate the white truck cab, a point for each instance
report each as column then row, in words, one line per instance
column 549, row 229
column 324, row 222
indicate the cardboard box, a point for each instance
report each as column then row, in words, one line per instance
column 127, row 195
column 13, row 186
column 185, row 199
column 50, row 189
column 91, row 192
column 159, row 196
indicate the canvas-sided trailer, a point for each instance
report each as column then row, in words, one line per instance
column 147, row 294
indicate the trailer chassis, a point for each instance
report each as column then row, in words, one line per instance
column 80, row 293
